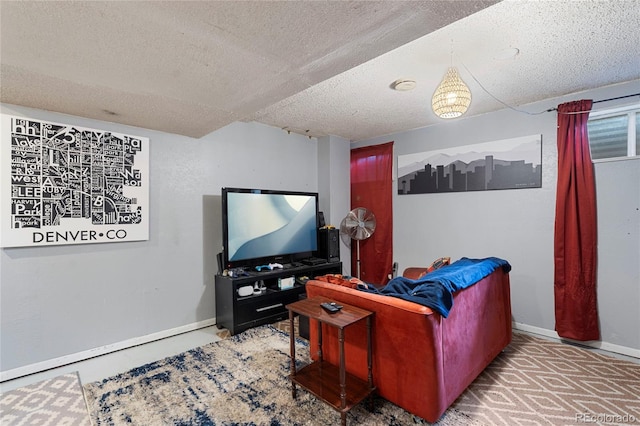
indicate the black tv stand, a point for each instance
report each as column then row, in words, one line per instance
column 237, row 312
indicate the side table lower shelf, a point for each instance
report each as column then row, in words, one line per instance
column 323, row 380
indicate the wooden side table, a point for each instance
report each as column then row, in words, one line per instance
column 330, row 383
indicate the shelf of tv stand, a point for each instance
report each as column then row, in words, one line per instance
column 238, row 313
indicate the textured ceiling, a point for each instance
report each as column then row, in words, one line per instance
column 193, row 67
column 316, row 68
column 564, row 47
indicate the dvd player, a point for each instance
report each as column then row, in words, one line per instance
column 313, row 261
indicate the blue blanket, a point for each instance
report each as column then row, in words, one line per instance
column 436, row 288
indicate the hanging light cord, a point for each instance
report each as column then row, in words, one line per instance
column 539, row 112
column 491, row 94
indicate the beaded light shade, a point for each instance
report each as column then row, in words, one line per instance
column 452, row 97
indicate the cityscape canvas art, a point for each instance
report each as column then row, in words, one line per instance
column 505, row 164
column 64, row 184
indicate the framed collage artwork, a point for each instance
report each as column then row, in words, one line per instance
column 64, row 184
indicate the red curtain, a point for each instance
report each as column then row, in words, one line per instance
column 575, row 227
column 371, row 177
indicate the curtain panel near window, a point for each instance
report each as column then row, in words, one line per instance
column 575, row 239
column 371, row 178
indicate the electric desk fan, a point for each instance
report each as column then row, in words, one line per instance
column 359, row 225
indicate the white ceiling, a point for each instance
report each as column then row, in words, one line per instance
column 312, row 67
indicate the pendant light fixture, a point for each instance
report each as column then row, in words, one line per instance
column 452, row 97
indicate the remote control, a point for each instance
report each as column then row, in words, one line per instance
column 332, row 307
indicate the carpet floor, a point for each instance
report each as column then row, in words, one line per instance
column 57, row 401
column 243, row 380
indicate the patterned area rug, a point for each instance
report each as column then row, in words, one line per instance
column 535, row 381
column 57, row 401
column 242, row 380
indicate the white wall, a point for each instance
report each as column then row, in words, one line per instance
column 518, row 225
column 65, row 300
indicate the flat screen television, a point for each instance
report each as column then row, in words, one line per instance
column 262, row 226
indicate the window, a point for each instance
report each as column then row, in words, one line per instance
column 615, row 133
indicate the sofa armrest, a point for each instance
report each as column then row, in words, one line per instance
column 395, row 302
column 414, row 272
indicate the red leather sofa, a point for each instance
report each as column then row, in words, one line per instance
column 422, row 362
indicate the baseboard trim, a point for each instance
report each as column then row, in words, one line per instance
column 609, row 347
column 103, row 350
